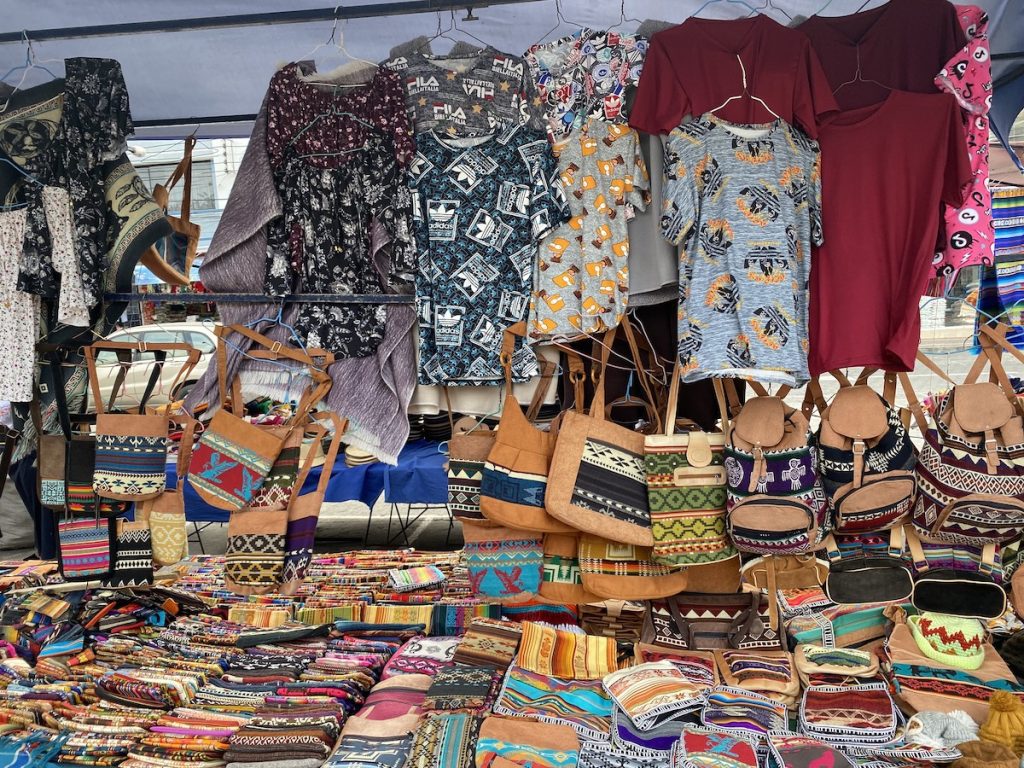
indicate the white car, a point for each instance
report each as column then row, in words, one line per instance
column 196, row 335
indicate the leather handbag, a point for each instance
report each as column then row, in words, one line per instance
column 468, row 452
column 602, row 488
column 776, row 504
column 701, row 622
column 621, row 619
column 172, row 256
column 970, row 473
column 233, row 457
column 869, row 575
column 865, row 456
column 131, row 448
column 514, row 484
column 562, row 580
column 686, row 490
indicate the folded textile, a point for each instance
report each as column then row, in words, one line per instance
column 852, row 714
column 653, row 692
column 418, row 577
column 563, row 653
column 364, row 751
column 792, row 751
column 582, row 704
column 489, row 642
column 460, row 687
column 539, row 745
column 445, row 741
column 421, row 655
column 657, row 741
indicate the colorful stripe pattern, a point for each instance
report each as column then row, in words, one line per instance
column 279, row 484
column 489, row 643
column 707, row 749
column 417, row 577
column 582, row 704
column 130, row 465
column 734, row 709
column 852, row 714
column 505, row 568
column 687, row 521
column 447, row 741
column 549, row 651
column 84, row 548
column 524, row 754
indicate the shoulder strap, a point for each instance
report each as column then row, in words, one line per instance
column 184, row 168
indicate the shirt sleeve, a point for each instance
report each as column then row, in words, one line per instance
column 548, row 206
column 679, row 208
column 396, row 118
column 812, row 94
column 968, row 74
column 638, row 180
column 958, row 166
column 661, row 103
column 814, row 191
column 277, row 280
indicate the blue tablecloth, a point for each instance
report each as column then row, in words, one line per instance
column 420, row 477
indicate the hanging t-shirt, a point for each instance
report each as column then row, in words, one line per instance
column 581, row 280
column 591, row 75
column 901, row 44
column 970, row 236
column 482, row 206
column 885, row 170
column 653, row 262
column 479, row 92
column 693, row 68
column 745, row 203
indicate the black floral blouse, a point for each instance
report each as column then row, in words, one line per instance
column 61, row 133
column 346, row 226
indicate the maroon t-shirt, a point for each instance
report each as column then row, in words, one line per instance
column 903, row 44
column 692, row 68
column 885, row 169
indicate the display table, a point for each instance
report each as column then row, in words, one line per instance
column 420, row 478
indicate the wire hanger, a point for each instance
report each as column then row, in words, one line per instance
column 31, row 62
column 622, row 17
column 769, row 5
column 439, row 32
column 455, row 27
column 746, row 91
column 336, row 41
column 278, row 320
column 559, row 21
column 859, row 77
column 733, row 2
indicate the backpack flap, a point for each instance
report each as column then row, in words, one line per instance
column 982, row 409
column 858, row 415
column 761, row 424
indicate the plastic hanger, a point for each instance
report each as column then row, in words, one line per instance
column 559, row 21
column 31, row 62
column 279, row 321
column 858, row 77
column 734, row 2
column 746, row 91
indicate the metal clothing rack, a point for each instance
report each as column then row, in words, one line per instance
column 259, row 298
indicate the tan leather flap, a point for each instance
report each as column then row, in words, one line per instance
column 698, row 452
column 858, row 413
column 762, row 421
column 981, row 407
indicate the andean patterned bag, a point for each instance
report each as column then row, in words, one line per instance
column 693, row 621
column 624, row 571
column 132, row 560
column 84, row 548
column 504, row 563
column 686, row 490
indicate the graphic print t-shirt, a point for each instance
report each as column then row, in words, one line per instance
column 482, row 206
column 745, row 202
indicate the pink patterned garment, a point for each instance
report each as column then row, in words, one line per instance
column 968, row 76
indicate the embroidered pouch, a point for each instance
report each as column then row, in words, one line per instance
column 598, row 755
column 819, row 665
column 166, row 518
column 523, row 743
column 489, row 642
column 708, row 748
column 768, row 672
column 850, row 714
column 132, row 561
column 698, row 666
column 560, row 653
column 254, row 561
column 652, row 693
column 791, row 751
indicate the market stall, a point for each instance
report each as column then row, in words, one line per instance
column 638, row 302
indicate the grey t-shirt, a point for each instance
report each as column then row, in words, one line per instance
column 653, row 261
column 744, row 201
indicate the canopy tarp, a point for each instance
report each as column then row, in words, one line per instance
column 178, row 75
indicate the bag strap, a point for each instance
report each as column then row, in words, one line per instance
column 331, row 456
column 913, row 403
column 672, row 407
column 121, row 348
column 597, row 407
column 916, row 550
column 184, row 168
column 993, row 342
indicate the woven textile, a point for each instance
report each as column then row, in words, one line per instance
column 769, row 672
column 852, row 714
column 734, row 709
column 360, row 752
column 505, row 567
column 84, row 548
column 446, row 741
column 509, row 742
column 300, row 536
column 657, row 741
column 687, row 519
column 582, row 704
column 652, row 692
column 130, row 465
column 453, row 617
column 819, row 665
column 422, row 655
column 699, row 667
column 600, row 755
column 463, row 688
column 489, row 643
column 398, row 614
column 611, row 482
column 549, row 651
column 418, row 577
column 709, row 749
column 279, row 485
column 534, row 610
column 805, row 600
column 255, row 549
column 226, row 470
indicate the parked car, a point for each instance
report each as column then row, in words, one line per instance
column 197, row 335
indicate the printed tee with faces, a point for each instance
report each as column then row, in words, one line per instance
column 482, row 205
